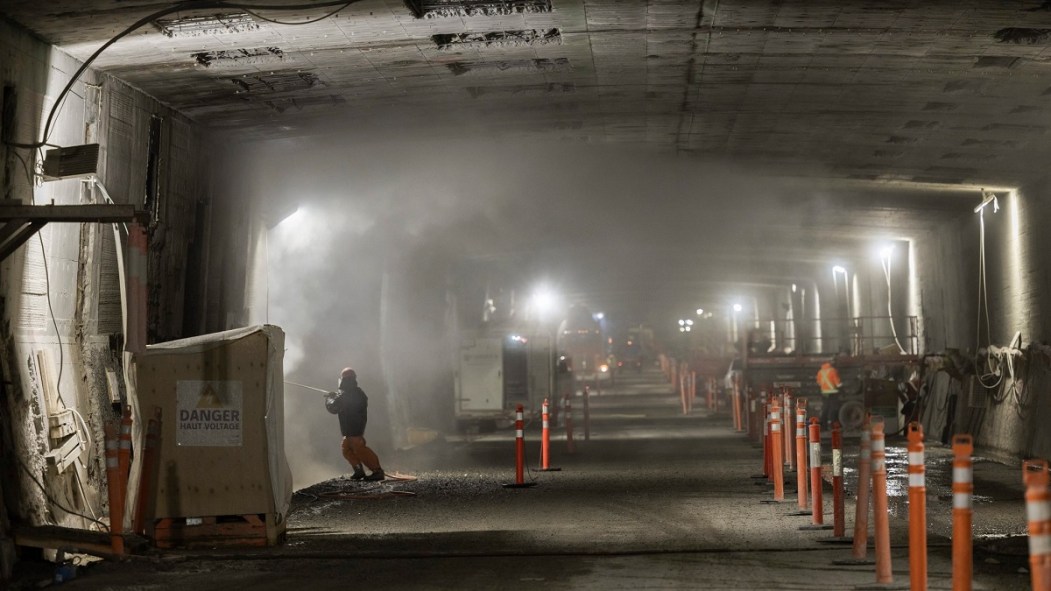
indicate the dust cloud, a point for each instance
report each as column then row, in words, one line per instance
column 393, row 243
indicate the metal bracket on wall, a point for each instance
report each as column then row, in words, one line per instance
column 21, row 221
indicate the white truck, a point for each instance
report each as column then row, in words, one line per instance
column 498, row 370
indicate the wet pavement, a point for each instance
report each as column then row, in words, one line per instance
column 654, row 500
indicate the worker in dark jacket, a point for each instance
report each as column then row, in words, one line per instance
column 352, row 407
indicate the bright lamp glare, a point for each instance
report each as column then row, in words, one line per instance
column 689, row 322
column 545, row 300
column 682, row 322
column 839, row 269
column 599, row 316
column 700, row 311
column 738, row 307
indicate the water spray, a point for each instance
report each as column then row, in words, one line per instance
column 308, row 387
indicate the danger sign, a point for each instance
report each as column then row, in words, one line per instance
column 208, row 413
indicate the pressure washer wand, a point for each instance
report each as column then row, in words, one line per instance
column 308, row 387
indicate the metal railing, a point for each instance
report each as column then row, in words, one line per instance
column 857, row 336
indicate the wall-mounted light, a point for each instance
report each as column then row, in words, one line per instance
column 682, row 322
column 738, row 307
column 838, row 269
column 700, row 311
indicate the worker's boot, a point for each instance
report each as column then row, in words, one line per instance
column 376, row 476
column 359, row 474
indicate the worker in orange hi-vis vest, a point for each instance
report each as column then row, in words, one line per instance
column 828, row 380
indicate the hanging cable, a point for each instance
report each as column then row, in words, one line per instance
column 177, row 7
column 54, row 320
column 993, row 361
column 307, row 22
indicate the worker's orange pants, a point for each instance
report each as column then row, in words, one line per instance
column 357, row 453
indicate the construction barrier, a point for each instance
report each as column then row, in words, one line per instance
column 838, row 517
column 116, row 492
column 962, row 490
column 567, row 409
column 884, row 573
column 519, row 451
column 587, row 414
column 802, row 475
column 917, row 509
column 1038, row 512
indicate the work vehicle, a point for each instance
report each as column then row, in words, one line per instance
column 499, row 369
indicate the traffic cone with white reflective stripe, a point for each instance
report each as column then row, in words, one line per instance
column 884, row 570
column 859, row 552
column 817, row 505
column 1038, row 512
column 802, row 474
column 917, row 510
column 519, row 452
column 962, row 489
column 545, row 440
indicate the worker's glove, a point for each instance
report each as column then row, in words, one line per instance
column 334, row 402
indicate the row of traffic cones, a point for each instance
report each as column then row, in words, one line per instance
column 545, row 437
column 872, row 478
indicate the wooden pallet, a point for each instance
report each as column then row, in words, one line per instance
column 256, row 529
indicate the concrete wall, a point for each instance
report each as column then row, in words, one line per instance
column 1007, row 405
column 61, row 313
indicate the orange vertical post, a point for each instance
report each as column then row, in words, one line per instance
column 567, row 409
column 917, row 509
column 587, row 414
column 817, row 504
column 776, row 464
column 545, row 438
column 116, row 502
column 1038, row 513
column 859, row 551
column 884, row 572
column 838, row 518
column 750, row 404
column 124, row 451
column 693, row 388
column 962, row 513
column 766, row 440
column 787, row 419
column 801, row 452
column 519, row 446
column 149, row 470
column 519, row 451
column 861, row 509
column 736, row 401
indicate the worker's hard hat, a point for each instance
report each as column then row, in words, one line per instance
column 348, row 373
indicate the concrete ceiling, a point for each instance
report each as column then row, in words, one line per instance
column 887, row 101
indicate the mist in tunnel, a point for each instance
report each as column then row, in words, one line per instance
column 363, row 265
